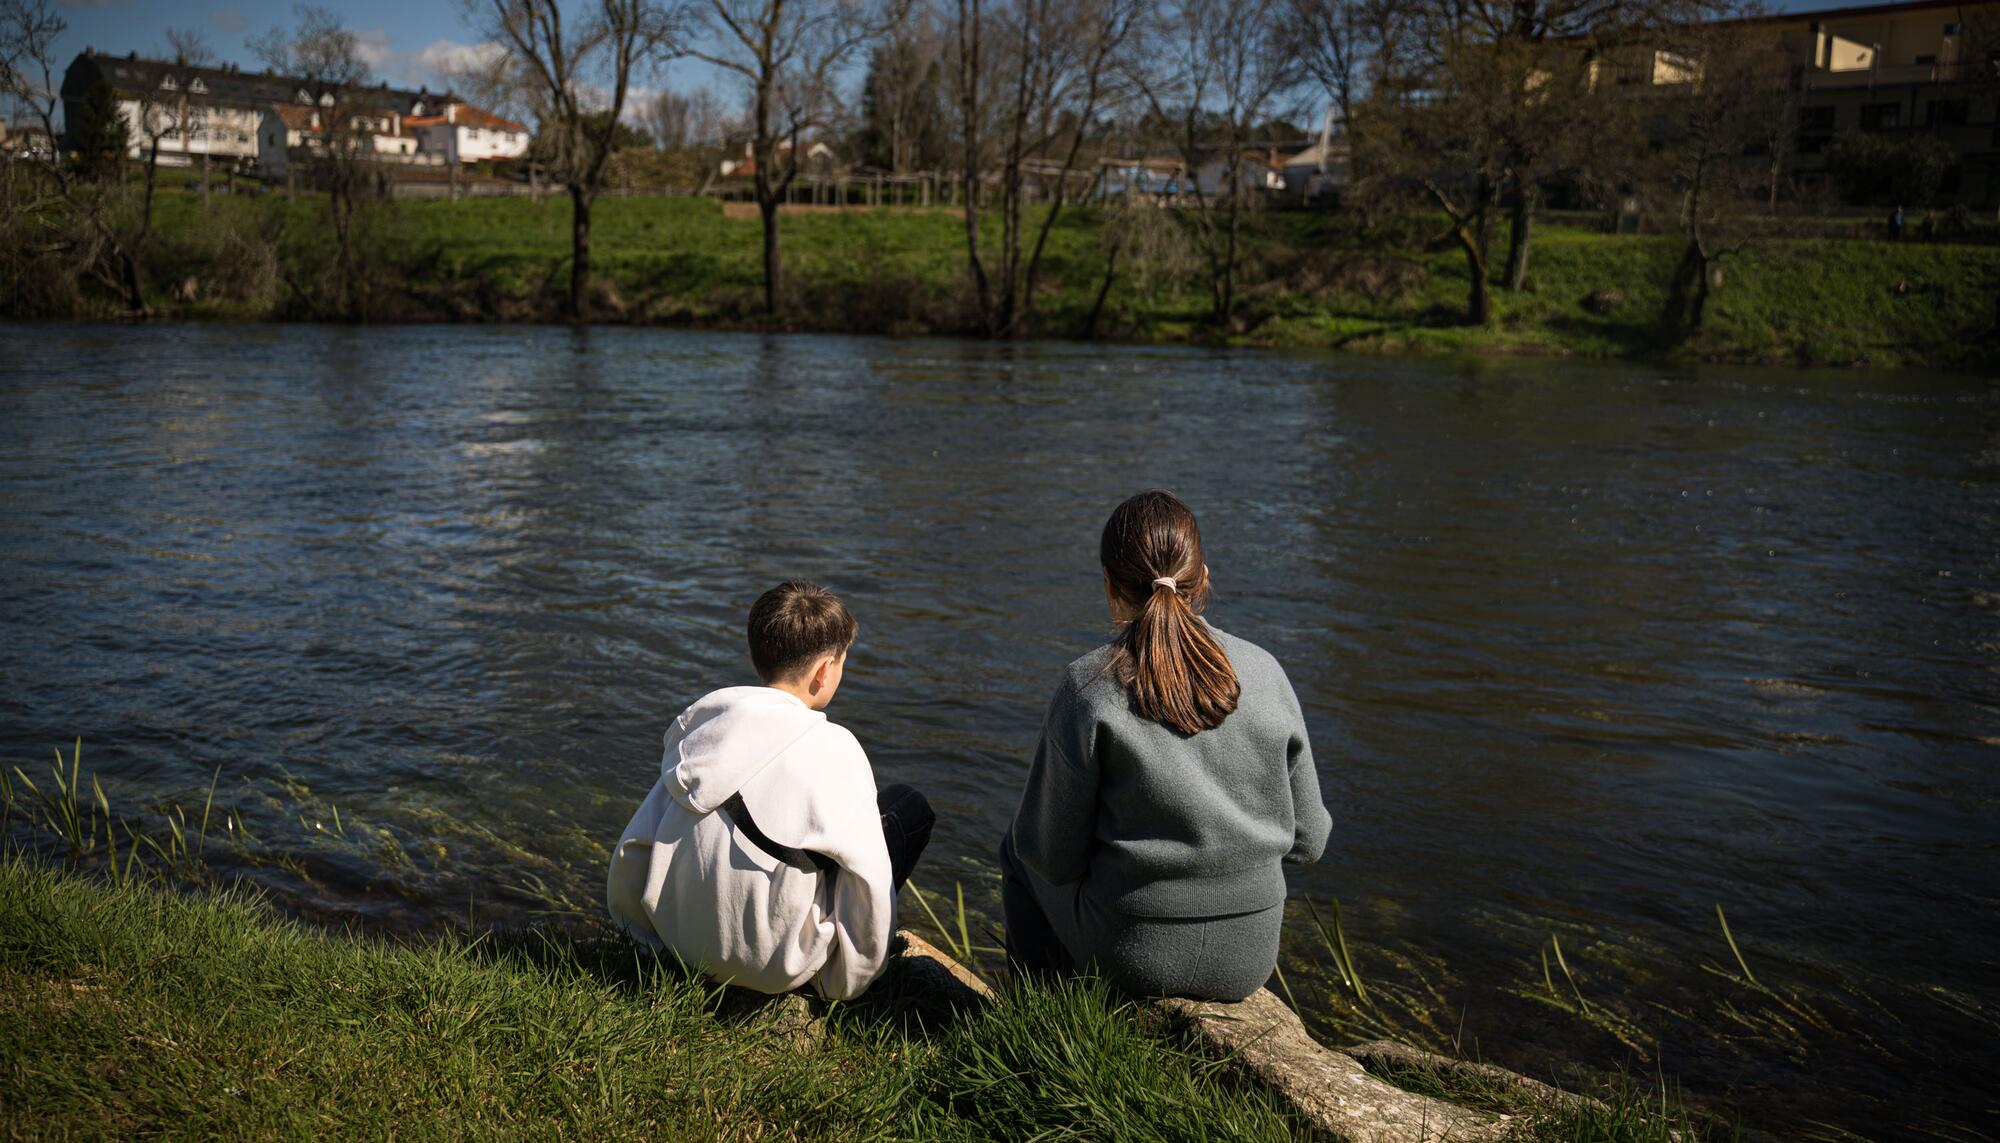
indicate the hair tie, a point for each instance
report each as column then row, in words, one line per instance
column 1167, row 582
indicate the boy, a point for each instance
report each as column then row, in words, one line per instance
column 763, row 854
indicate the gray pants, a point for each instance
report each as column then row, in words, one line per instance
column 1062, row 929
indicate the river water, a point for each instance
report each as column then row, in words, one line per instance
column 1585, row 650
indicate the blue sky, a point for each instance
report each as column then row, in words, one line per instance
column 405, row 40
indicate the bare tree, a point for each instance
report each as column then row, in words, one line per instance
column 1054, row 75
column 1344, row 47
column 576, row 69
column 58, row 215
column 1712, row 129
column 1215, row 68
column 324, row 57
column 903, row 95
column 1436, row 120
column 669, row 118
column 789, row 54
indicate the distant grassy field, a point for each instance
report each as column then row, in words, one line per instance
column 1308, row 279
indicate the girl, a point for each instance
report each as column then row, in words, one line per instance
column 1172, row 778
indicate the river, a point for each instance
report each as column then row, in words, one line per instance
column 1585, row 650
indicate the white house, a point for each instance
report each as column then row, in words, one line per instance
column 462, row 133
column 292, row 130
column 221, row 114
column 25, row 142
column 819, row 157
column 1319, row 169
column 1256, row 170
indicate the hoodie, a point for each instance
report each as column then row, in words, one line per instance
column 684, row 878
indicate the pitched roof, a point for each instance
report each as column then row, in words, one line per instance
column 465, row 115
column 297, row 116
column 132, row 75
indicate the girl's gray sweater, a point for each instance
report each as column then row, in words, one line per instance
column 1157, row 823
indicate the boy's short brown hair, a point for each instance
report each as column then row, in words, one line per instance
column 795, row 623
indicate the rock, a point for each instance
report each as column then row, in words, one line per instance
column 795, row 1016
column 1266, row 1041
column 924, row 981
column 1603, row 300
column 187, row 289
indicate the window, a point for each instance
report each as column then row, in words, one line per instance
column 1881, row 116
column 198, row 87
column 474, row 133
column 1948, row 112
column 168, row 84
column 1815, row 129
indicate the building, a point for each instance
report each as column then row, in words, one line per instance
column 1258, row 169
column 262, row 122
column 462, row 133
column 1321, row 169
column 819, row 159
column 25, row 142
column 1921, row 67
column 192, row 112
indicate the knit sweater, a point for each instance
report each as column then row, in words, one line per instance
column 1157, row 823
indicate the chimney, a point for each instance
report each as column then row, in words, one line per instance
column 451, row 113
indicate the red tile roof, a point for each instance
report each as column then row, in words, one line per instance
column 466, row 115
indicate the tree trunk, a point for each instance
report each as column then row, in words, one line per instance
column 767, row 206
column 579, row 261
column 1479, row 299
column 1520, row 233
column 1227, row 295
column 1103, row 292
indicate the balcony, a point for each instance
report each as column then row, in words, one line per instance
column 1896, row 76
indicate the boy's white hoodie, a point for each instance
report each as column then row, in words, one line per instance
column 682, row 878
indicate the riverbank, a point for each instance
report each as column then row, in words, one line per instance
column 1308, row 280
column 130, row 1010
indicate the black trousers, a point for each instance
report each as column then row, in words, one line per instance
column 907, row 818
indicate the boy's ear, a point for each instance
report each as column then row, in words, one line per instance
column 821, row 667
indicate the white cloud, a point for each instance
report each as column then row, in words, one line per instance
column 381, row 57
column 441, row 58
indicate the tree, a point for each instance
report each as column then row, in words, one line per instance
column 576, row 70
column 1214, row 68
column 788, row 53
column 1873, row 170
column 99, row 134
column 1725, row 109
column 1344, row 47
column 1435, row 121
column 903, row 106
column 61, row 220
column 324, row 56
column 1052, row 75
column 692, row 135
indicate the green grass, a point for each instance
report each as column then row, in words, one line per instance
column 127, row 1010
column 1309, row 279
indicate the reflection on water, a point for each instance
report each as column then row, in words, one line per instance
column 1584, row 650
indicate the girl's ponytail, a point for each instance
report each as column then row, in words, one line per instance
column 1166, row 657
